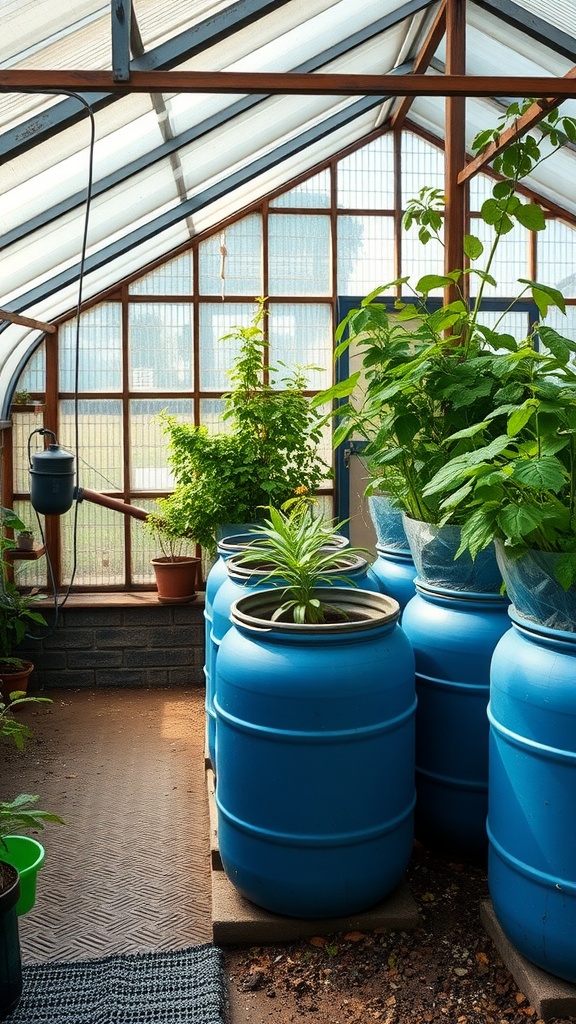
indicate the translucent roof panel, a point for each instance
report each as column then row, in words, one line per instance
column 169, row 166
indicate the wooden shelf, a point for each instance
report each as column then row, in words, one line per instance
column 16, row 555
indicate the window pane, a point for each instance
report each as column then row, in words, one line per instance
column 480, row 190
column 32, row 573
column 149, row 469
column 516, row 324
column 173, row 278
column 299, row 254
column 366, row 177
column 33, row 377
column 239, row 270
column 100, row 350
column 314, row 193
column 422, row 164
column 564, row 324
column 217, row 320
column 99, row 464
column 302, row 335
column 99, row 546
column 144, row 547
column 418, row 259
column 509, row 263
column 211, row 413
column 557, row 257
column 160, row 346
column 365, row 253
column 23, row 423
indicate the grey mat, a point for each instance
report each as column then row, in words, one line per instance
column 184, row 986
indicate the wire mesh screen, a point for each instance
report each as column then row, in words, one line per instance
column 299, row 254
column 173, row 278
column 149, row 468
column 100, row 458
column 517, row 324
column 365, row 253
column 418, row 260
column 211, row 415
column 31, row 573
column 480, row 189
column 99, row 544
column 99, row 350
column 564, row 324
column 366, row 177
column 23, row 423
column 161, row 346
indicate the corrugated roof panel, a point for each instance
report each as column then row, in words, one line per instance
column 559, row 13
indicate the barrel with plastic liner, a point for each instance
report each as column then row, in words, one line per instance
column 453, row 635
column 315, row 782
column 532, row 806
column 245, row 579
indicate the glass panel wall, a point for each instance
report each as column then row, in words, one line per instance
column 159, row 343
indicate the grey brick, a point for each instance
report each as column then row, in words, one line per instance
column 70, row 638
column 154, row 657
column 95, row 659
column 191, row 676
column 120, row 677
column 151, row 615
column 122, row 637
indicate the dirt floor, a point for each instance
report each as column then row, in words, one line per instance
column 446, row 970
column 109, row 761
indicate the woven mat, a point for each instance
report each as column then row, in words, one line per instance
column 184, row 986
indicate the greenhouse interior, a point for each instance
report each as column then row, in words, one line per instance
column 288, row 304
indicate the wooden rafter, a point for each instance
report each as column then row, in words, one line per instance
column 524, row 124
column 422, row 62
column 26, row 321
column 285, row 83
column 455, row 145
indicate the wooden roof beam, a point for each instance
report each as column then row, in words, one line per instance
column 26, row 321
column 422, row 62
column 529, row 120
column 286, row 83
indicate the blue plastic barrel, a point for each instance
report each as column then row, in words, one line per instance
column 395, row 571
column 453, row 635
column 315, row 782
column 227, row 546
column 532, row 806
column 242, row 580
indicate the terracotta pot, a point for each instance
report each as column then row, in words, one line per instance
column 176, row 579
column 12, row 678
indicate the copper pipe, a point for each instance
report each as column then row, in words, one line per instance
column 84, row 494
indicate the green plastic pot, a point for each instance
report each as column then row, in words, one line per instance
column 27, row 855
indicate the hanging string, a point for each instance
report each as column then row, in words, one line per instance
column 223, row 255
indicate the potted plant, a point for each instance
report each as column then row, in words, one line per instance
column 176, row 569
column 17, row 614
column 21, row 857
column 307, row 727
column 435, row 388
column 269, row 449
column 436, row 382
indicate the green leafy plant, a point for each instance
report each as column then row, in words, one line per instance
column 270, row 448
column 10, row 727
column 17, row 614
column 298, row 547
column 20, row 814
column 463, row 421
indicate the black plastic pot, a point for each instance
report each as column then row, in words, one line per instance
column 10, row 961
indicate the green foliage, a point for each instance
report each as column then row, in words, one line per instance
column 270, row 449
column 299, row 548
column 17, row 613
column 10, row 727
column 464, row 422
column 20, row 815
column 17, row 815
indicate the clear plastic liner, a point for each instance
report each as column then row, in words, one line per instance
column 535, row 592
column 433, row 549
column 387, row 521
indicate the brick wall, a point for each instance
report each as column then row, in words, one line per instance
column 114, row 640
